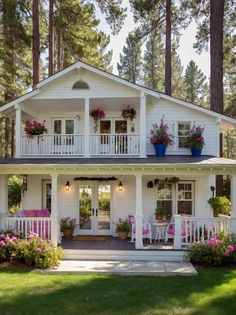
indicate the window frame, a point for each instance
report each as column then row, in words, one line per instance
column 177, row 134
column 192, row 182
column 172, row 199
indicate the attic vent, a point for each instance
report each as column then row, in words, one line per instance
column 80, row 85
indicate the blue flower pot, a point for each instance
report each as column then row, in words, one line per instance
column 160, row 149
column 196, row 152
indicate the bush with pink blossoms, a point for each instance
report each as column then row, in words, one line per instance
column 34, row 251
column 219, row 250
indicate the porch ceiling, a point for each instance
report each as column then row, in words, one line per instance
column 168, row 165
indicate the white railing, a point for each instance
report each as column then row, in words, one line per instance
column 50, row 145
column 26, row 226
column 189, row 230
column 115, row 144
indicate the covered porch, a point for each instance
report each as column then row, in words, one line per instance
column 137, row 199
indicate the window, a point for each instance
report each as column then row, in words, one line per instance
column 183, row 132
column 164, row 196
column 47, row 195
column 185, row 198
column 80, row 85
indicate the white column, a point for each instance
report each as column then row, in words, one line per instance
column 18, row 131
column 233, row 204
column 3, row 199
column 54, row 210
column 178, row 232
column 143, row 118
column 86, row 128
column 139, row 213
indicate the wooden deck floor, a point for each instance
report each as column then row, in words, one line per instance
column 113, row 243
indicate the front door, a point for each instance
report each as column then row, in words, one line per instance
column 64, row 135
column 94, row 209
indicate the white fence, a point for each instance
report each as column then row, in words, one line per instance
column 189, row 230
column 26, row 226
column 50, row 145
column 115, row 144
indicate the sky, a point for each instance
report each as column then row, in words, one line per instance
column 185, row 50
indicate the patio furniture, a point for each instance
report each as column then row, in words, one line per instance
column 170, row 230
column 160, row 230
column 146, row 228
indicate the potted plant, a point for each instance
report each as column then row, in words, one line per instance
column 97, row 114
column 128, row 113
column 122, row 229
column 196, row 140
column 67, row 226
column 166, row 215
column 159, row 212
column 220, row 205
column 160, row 138
column 35, row 128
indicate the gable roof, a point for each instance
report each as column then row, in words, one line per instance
column 116, row 78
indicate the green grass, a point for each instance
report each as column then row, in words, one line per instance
column 212, row 292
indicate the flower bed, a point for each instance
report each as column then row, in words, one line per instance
column 34, row 251
column 218, row 251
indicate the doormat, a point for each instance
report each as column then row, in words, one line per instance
column 90, row 238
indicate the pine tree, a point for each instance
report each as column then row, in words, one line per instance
column 130, row 60
column 195, row 85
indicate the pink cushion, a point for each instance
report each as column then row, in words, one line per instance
column 45, row 213
column 171, row 231
column 30, row 213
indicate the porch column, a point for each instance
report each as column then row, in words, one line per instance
column 86, row 128
column 178, row 232
column 3, row 198
column 139, row 212
column 54, row 210
column 18, row 131
column 143, row 125
column 233, row 203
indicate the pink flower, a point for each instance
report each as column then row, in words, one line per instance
column 214, row 241
column 38, row 250
column 2, row 237
column 7, row 238
column 3, row 244
column 13, row 238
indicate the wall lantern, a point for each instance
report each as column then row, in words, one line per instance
column 213, row 191
column 120, row 187
column 67, row 185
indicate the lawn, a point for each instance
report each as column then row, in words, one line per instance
column 212, row 292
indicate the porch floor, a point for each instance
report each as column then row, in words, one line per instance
column 113, row 243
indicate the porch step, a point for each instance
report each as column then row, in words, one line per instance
column 123, row 255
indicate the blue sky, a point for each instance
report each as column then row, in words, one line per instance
column 185, row 49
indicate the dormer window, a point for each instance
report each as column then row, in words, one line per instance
column 80, row 85
column 183, row 134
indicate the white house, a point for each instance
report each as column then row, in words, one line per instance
column 74, row 153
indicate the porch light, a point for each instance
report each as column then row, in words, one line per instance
column 67, row 185
column 120, row 187
column 213, row 191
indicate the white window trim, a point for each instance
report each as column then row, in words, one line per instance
column 192, row 182
column 177, row 148
column 76, row 123
column 44, row 183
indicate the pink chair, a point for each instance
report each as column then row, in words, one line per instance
column 170, row 230
column 147, row 232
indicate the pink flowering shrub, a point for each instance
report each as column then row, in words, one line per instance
column 219, row 250
column 34, row 251
column 35, row 128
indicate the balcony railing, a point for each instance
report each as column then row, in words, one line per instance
column 73, row 145
column 50, row 145
column 115, row 144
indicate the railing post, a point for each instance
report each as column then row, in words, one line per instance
column 86, row 128
column 18, row 131
column 54, row 210
column 178, row 234
column 3, row 199
column 143, row 125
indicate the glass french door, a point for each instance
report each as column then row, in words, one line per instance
column 94, row 209
column 64, row 130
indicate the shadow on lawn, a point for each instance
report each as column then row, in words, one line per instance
column 106, row 294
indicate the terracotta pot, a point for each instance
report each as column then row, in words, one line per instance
column 159, row 217
column 122, row 235
column 68, row 234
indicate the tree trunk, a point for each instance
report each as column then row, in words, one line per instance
column 51, row 39
column 216, row 55
column 168, row 49
column 59, row 40
column 7, row 137
column 12, row 138
column 35, row 42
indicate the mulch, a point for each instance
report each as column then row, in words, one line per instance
column 15, row 265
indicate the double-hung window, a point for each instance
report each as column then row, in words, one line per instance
column 164, row 196
column 183, row 132
column 185, row 198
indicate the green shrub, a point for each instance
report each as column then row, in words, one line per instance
column 34, row 251
column 220, row 205
column 219, row 250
